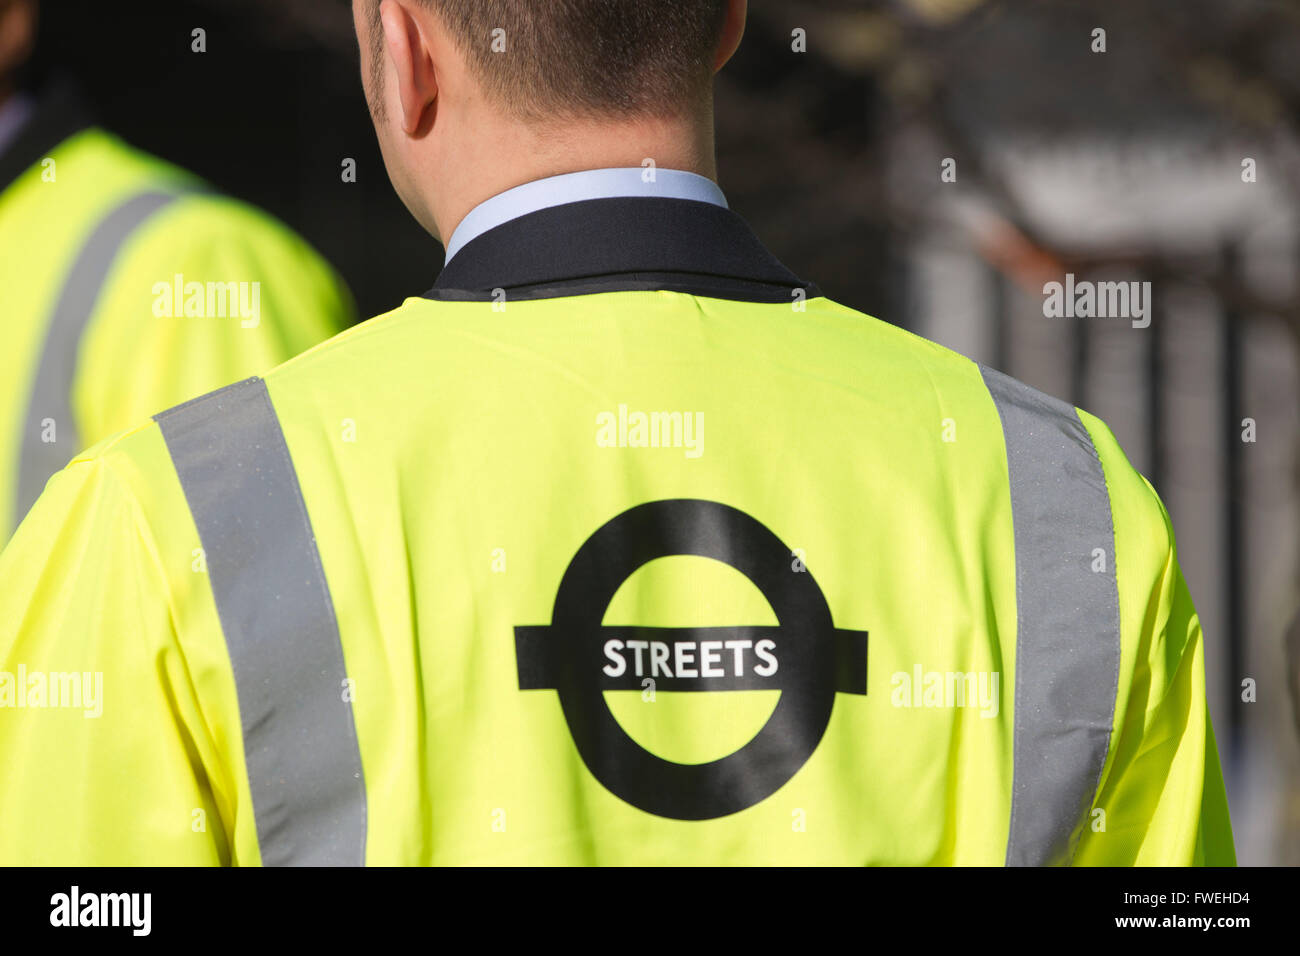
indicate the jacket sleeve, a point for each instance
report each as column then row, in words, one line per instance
column 102, row 740
column 207, row 293
column 1162, row 792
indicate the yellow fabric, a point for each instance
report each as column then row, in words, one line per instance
column 132, row 361
column 449, row 461
column 1162, row 790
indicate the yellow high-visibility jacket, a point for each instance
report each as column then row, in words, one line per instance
column 127, row 287
column 618, row 552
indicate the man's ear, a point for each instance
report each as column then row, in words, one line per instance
column 732, row 30
column 411, row 59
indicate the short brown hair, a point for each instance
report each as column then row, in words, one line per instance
column 582, row 57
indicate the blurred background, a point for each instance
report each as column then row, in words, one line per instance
column 1163, row 149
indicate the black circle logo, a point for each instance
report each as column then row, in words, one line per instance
column 805, row 657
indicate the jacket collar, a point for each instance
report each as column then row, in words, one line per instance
column 608, row 183
column 619, row 244
column 59, row 115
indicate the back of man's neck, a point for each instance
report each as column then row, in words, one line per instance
column 540, row 153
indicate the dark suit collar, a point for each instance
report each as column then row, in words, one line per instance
column 58, row 115
column 615, row 244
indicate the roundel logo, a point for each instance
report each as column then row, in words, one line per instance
column 804, row 656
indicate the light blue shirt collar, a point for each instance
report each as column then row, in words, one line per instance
column 615, row 183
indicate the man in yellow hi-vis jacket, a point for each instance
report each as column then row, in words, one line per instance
column 622, row 544
column 126, row 286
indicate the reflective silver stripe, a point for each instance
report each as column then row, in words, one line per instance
column 51, row 395
column 300, row 739
column 1068, row 632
